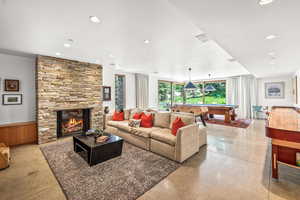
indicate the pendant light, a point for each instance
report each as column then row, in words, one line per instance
column 209, row 88
column 190, row 85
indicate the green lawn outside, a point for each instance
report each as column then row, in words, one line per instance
column 197, row 100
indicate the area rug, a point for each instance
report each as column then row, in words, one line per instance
column 239, row 123
column 124, row 178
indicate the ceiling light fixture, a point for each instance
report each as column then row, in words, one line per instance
column 272, row 55
column 265, row 2
column 271, row 37
column 58, row 54
column 190, row 86
column 69, row 43
column 94, row 19
column 231, row 59
column 110, row 55
column 146, row 41
column 209, row 87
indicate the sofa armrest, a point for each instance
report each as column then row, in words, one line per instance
column 187, row 142
column 202, row 135
column 108, row 117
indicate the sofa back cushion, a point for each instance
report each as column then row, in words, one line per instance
column 147, row 120
column 118, row 116
column 127, row 114
column 133, row 111
column 186, row 119
column 162, row 119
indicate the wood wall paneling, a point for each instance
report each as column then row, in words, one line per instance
column 18, row 133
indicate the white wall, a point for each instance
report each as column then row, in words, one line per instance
column 288, row 96
column 109, row 80
column 23, row 69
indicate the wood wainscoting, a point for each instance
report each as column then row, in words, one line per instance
column 18, row 133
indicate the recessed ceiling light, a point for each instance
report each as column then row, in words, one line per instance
column 271, row 37
column 146, row 41
column 67, row 45
column 58, row 54
column 94, row 19
column 265, row 2
column 110, row 55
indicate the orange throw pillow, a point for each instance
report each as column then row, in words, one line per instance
column 146, row 120
column 177, row 124
column 118, row 116
column 137, row 116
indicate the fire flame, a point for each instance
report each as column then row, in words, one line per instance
column 74, row 122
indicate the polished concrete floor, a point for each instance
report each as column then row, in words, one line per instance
column 234, row 165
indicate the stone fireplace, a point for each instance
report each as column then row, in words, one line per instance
column 64, row 85
column 71, row 122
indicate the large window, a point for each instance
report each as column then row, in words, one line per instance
column 178, row 93
column 164, row 95
column 218, row 96
column 171, row 93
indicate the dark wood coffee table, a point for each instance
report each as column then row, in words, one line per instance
column 94, row 153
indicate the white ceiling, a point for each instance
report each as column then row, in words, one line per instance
column 42, row 27
column 240, row 27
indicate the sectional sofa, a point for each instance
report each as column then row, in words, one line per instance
column 159, row 138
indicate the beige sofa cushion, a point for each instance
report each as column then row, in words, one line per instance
column 164, row 135
column 162, row 119
column 187, row 119
column 123, row 125
column 144, row 132
column 127, row 114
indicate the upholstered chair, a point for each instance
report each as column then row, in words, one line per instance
column 4, row 156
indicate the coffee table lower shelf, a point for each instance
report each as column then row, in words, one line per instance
column 95, row 153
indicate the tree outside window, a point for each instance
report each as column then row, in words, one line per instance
column 171, row 93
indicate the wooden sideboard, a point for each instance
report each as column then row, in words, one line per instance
column 18, row 133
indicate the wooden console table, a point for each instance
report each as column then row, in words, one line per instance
column 283, row 126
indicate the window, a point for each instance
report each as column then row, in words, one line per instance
column 178, row 93
column 171, row 93
column 164, row 95
column 218, row 96
column 120, row 92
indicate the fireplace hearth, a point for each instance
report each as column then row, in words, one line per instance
column 71, row 122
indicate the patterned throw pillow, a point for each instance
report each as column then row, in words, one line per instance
column 136, row 123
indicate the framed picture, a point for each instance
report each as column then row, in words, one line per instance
column 274, row 90
column 11, row 85
column 106, row 93
column 12, row 99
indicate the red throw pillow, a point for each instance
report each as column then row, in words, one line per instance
column 177, row 124
column 118, row 116
column 137, row 116
column 146, row 120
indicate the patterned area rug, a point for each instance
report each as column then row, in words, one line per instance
column 239, row 123
column 124, row 178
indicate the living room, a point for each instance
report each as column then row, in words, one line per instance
column 149, row 100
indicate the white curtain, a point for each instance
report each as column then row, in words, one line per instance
column 142, row 90
column 242, row 91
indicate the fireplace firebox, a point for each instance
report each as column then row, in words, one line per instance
column 71, row 122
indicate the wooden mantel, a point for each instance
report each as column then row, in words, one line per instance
column 18, row 133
